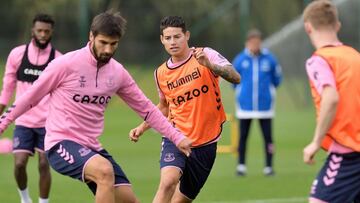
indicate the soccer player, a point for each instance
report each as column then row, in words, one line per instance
column 81, row 83
column 334, row 72
column 255, row 96
column 189, row 92
column 24, row 65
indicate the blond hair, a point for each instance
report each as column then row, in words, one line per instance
column 321, row 14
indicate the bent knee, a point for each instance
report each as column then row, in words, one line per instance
column 99, row 170
column 168, row 183
column 105, row 173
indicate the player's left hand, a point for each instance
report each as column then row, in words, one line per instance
column 201, row 57
column 309, row 152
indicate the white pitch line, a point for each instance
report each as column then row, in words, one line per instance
column 274, row 200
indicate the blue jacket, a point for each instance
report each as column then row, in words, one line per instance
column 260, row 75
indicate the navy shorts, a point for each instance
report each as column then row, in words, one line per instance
column 69, row 158
column 28, row 139
column 338, row 180
column 195, row 169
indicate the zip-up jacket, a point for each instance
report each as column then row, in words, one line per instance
column 21, row 68
column 80, row 91
column 260, row 75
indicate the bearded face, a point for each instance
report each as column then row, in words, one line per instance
column 102, row 57
column 41, row 33
column 103, row 47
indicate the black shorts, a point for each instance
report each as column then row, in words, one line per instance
column 69, row 158
column 195, row 169
column 28, row 139
column 339, row 179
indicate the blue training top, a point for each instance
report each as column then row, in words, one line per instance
column 260, row 75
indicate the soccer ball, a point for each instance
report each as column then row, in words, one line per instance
column 5, row 146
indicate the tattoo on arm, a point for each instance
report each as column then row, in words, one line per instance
column 226, row 72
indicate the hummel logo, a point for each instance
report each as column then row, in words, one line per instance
column 65, row 155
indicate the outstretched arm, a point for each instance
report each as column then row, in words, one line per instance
column 48, row 81
column 151, row 114
column 28, row 100
column 135, row 133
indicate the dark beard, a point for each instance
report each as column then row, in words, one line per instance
column 41, row 45
column 101, row 59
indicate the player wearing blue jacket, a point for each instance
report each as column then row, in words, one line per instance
column 255, row 95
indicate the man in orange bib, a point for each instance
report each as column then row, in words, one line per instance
column 334, row 72
column 188, row 85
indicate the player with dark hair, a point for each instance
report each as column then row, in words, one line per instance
column 189, row 92
column 334, row 72
column 24, row 65
column 81, row 83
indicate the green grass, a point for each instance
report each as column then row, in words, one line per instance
column 293, row 128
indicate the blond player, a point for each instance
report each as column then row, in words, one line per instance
column 334, row 72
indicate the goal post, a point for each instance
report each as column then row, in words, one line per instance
column 234, row 134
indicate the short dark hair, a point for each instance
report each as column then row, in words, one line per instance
column 45, row 18
column 108, row 23
column 172, row 21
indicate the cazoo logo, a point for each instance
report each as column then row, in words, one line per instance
column 88, row 99
column 189, row 95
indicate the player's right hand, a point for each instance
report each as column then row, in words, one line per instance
column 309, row 153
column 185, row 146
column 135, row 133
